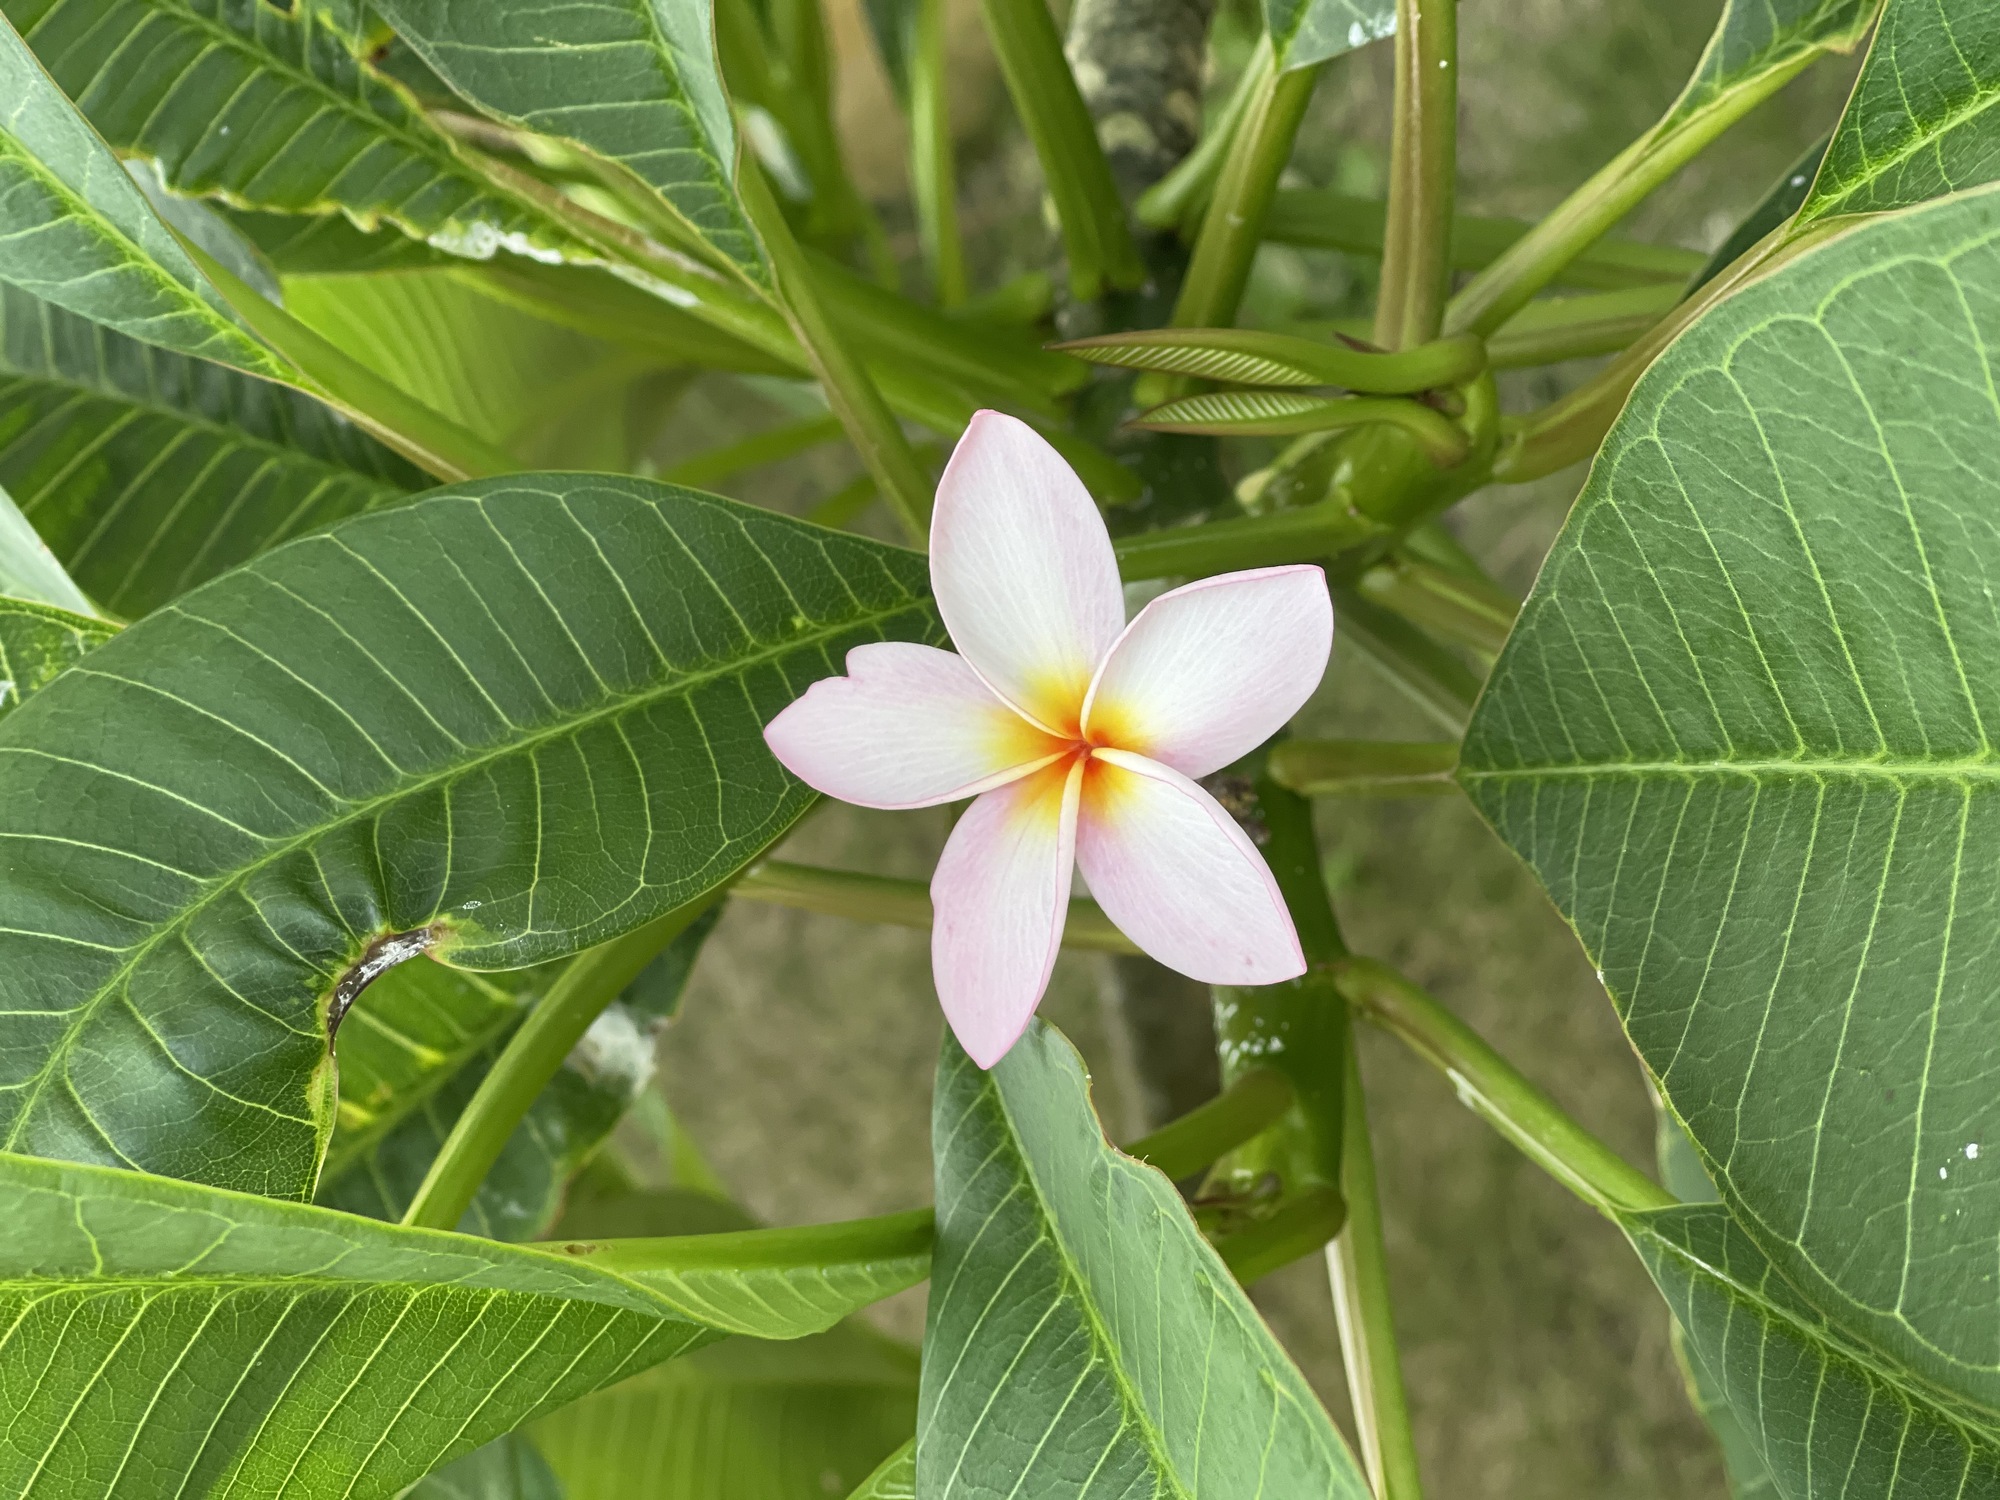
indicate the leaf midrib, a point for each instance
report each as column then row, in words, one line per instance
column 363, row 810
column 1923, row 140
column 1978, row 770
column 1895, row 1377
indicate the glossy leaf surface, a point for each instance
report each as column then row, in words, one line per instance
column 304, row 127
column 1925, row 116
column 1742, row 734
column 1083, row 1339
column 634, row 81
column 742, row 1421
column 166, row 1339
column 1829, row 1421
column 38, row 641
column 75, row 229
column 494, row 721
column 150, row 472
column 1310, row 31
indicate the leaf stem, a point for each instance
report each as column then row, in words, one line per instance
column 897, row 1236
column 1300, row 534
column 1467, row 611
column 1533, row 261
column 1301, row 1225
column 591, row 981
column 1436, row 680
column 1096, row 238
column 1179, row 195
column 1357, row 1266
column 1233, row 227
column 780, row 442
column 897, row 903
column 1493, row 1088
column 1560, row 328
column 933, row 174
column 850, row 391
column 1423, row 166
column 1365, row 768
column 1254, row 1100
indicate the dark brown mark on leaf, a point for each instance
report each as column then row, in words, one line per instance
column 377, row 959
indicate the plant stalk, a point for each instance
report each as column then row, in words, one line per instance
column 768, row 447
column 933, row 173
column 1234, row 224
column 1466, row 611
column 1357, row 1266
column 896, row 903
column 1182, row 1147
column 1096, row 238
column 1365, row 768
column 1536, row 259
column 1492, row 1087
column 850, row 391
column 530, row 1059
column 1559, row 328
column 1177, row 197
column 1423, row 166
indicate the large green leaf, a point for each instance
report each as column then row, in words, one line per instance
column 1310, row 31
column 1083, row 1338
column 426, row 1047
column 76, row 230
column 37, row 642
column 150, row 472
column 504, row 723
column 1830, row 1421
column 744, row 1420
column 267, row 109
column 634, row 81
column 1755, row 38
column 1922, row 120
column 168, row 1339
column 1741, row 733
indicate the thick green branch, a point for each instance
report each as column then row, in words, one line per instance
column 1423, row 164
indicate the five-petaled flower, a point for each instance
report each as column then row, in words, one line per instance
column 1079, row 736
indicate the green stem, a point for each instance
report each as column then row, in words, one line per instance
column 1495, row 1089
column 1297, row 535
column 896, row 903
column 1249, row 356
column 1365, row 768
column 1467, row 611
column 1423, row 165
column 1299, row 1226
column 1176, row 197
column 1234, row 224
column 786, row 441
column 427, row 438
column 1223, row 413
column 1095, row 235
column 530, row 1059
column 1532, row 262
column 850, row 391
column 897, row 1236
column 1253, row 1101
column 1547, row 332
column 933, row 174
column 1436, row 680
column 1357, row 1264
column 1319, row 219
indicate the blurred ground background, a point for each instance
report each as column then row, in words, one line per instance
column 1535, row 1349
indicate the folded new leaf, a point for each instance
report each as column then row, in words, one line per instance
column 1241, row 356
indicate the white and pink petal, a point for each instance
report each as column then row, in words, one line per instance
column 908, row 726
column 1023, row 570
column 1206, row 673
column 999, row 897
column 1171, row 867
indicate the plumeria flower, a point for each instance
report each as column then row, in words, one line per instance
column 1078, row 736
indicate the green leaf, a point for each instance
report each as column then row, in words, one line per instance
column 28, row 570
column 635, row 82
column 503, row 723
column 744, row 1420
column 170, row 1339
column 267, row 109
column 1242, row 356
column 37, row 642
column 1305, row 32
column 78, row 232
column 1830, row 1421
column 1285, row 413
column 508, row 1468
column 1757, row 38
column 1082, row 1336
column 1921, row 122
column 326, row 244
column 896, row 1479
column 149, row 472
column 416, row 1091
column 1741, row 734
